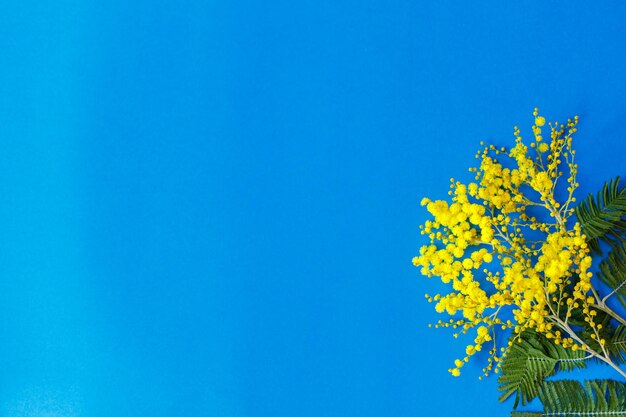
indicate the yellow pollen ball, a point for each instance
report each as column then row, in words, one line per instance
column 467, row 263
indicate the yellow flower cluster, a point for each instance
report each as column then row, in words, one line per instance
column 510, row 214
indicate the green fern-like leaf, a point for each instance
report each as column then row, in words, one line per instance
column 616, row 344
column 599, row 398
column 530, row 362
column 603, row 217
column 613, row 272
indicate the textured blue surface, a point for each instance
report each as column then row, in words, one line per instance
column 210, row 208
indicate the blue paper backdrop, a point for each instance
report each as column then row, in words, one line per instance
column 210, row 208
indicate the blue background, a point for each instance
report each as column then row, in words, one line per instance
column 210, row 208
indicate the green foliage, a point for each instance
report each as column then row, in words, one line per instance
column 604, row 216
column 616, row 344
column 599, row 398
column 613, row 272
column 530, row 362
column 525, row 414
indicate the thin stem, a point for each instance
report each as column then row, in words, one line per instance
column 619, row 287
column 606, row 359
column 611, row 313
column 601, row 305
column 612, row 365
column 596, row 295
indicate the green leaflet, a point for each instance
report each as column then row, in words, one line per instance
column 603, row 217
column 613, row 271
column 616, row 345
column 599, row 398
column 530, row 362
